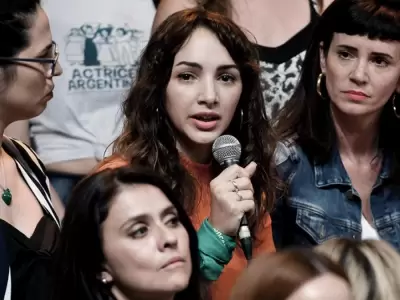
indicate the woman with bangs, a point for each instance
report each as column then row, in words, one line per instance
column 337, row 151
column 199, row 79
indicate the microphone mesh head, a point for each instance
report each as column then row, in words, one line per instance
column 226, row 147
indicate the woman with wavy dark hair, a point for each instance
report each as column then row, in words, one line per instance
column 126, row 236
column 199, row 79
column 339, row 154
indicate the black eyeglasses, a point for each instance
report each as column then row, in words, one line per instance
column 51, row 61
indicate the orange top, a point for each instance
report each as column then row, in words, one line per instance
column 221, row 288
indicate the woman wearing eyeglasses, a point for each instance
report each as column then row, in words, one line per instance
column 28, row 219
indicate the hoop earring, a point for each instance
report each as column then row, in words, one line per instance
column 394, row 107
column 319, row 80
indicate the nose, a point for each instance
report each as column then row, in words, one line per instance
column 58, row 69
column 209, row 93
column 166, row 238
column 359, row 73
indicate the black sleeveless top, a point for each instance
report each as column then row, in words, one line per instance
column 4, row 266
column 281, row 66
column 30, row 258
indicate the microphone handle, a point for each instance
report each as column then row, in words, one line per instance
column 244, row 231
column 245, row 238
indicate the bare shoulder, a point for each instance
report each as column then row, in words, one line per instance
column 168, row 7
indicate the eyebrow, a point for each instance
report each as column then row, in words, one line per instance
column 198, row 66
column 353, row 49
column 46, row 49
column 144, row 217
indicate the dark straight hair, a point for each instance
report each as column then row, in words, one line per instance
column 79, row 255
column 16, row 18
column 156, row 3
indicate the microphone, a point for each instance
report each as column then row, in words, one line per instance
column 227, row 151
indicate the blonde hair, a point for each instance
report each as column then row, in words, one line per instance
column 278, row 275
column 373, row 267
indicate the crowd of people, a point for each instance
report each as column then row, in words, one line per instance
column 110, row 190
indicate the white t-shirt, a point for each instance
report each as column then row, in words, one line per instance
column 100, row 42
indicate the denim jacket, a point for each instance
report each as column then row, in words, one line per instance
column 321, row 203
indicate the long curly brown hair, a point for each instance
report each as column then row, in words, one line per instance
column 148, row 137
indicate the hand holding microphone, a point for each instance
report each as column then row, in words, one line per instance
column 231, row 196
column 232, row 192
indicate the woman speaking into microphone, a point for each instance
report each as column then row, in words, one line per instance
column 199, row 79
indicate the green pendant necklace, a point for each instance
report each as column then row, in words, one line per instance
column 6, row 195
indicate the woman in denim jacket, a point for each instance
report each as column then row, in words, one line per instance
column 338, row 154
